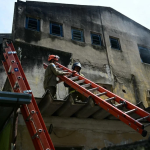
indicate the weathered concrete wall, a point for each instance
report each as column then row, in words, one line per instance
column 32, row 58
column 2, row 72
column 4, row 35
column 123, row 64
column 127, row 62
column 140, row 145
column 89, row 133
column 92, row 58
column 3, row 76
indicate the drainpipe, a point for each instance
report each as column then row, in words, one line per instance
column 104, row 37
column 109, row 66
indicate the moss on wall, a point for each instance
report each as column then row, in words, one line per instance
column 5, row 137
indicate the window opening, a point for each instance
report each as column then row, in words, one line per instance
column 144, row 54
column 96, row 39
column 56, row 29
column 77, row 35
column 32, row 23
column 115, row 43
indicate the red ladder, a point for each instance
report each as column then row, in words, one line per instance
column 105, row 104
column 30, row 112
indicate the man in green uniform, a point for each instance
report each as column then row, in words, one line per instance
column 76, row 95
column 51, row 73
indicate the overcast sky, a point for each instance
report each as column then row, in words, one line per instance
column 138, row 10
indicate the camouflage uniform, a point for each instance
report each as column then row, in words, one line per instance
column 50, row 81
column 76, row 95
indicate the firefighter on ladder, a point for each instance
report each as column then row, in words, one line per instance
column 51, row 73
column 76, row 95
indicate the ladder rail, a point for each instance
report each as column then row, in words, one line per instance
column 36, row 125
column 118, row 99
column 24, row 111
column 33, row 101
column 44, row 141
column 31, row 132
column 23, row 108
column 105, row 105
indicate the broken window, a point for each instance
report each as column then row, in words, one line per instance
column 115, row 43
column 144, row 54
column 56, row 29
column 96, row 39
column 77, row 35
column 33, row 24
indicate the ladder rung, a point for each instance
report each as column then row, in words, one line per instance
column 29, row 117
column 16, row 85
column 36, row 135
column 60, row 68
column 142, row 118
column 93, row 89
column 9, row 70
column 146, row 125
column 100, row 94
column 27, row 91
column 74, row 78
column 12, row 52
column 130, row 111
column 119, row 105
column 109, row 99
column 80, row 81
column 68, row 75
column 86, row 85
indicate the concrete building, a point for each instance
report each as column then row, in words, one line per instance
column 4, row 35
column 114, row 52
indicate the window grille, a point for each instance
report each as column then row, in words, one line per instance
column 77, row 35
column 32, row 24
column 96, row 39
column 56, row 29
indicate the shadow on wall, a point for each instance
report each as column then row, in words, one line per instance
column 32, row 55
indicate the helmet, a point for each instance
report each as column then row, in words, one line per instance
column 76, row 64
column 53, row 57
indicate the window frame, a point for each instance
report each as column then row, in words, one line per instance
column 33, row 19
column 82, row 34
column 144, row 47
column 58, row 25
column 99, row 36
column 118, row 43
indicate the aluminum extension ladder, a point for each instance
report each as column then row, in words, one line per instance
column 113, row 109
column 31, row 114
